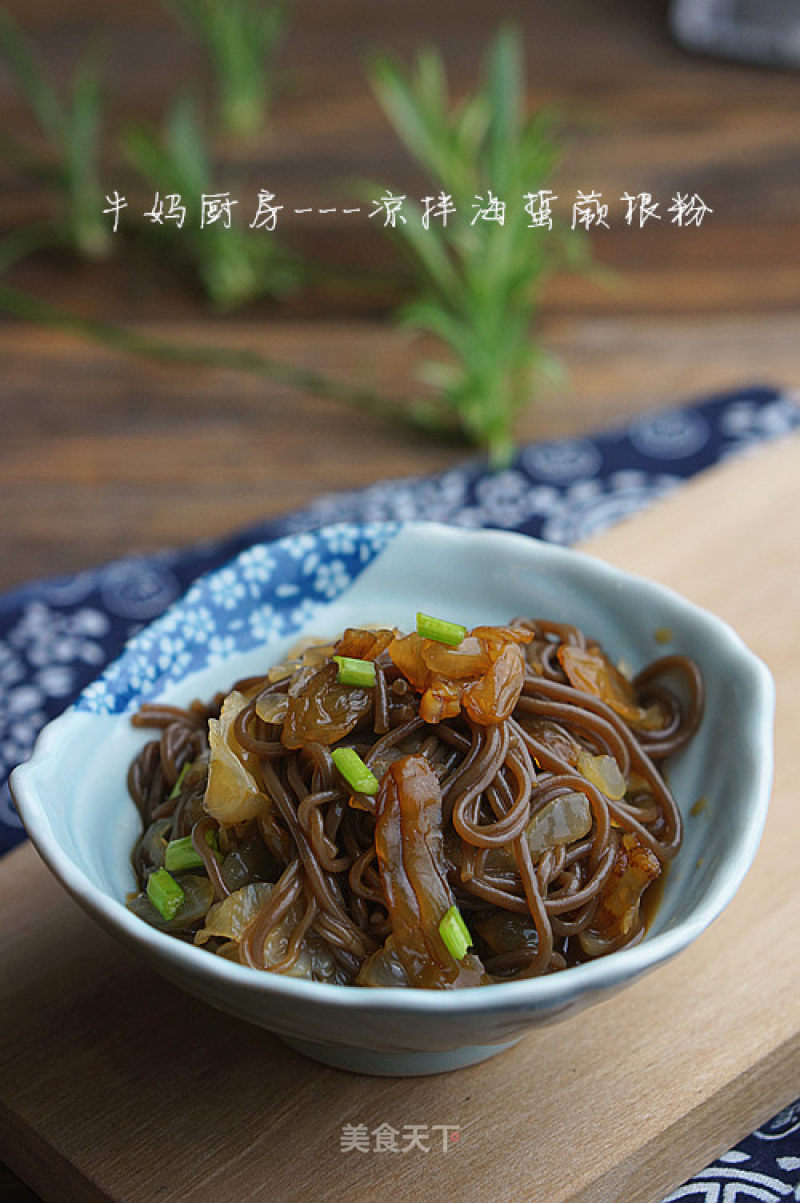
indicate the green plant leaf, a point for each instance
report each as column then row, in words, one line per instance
column 233, row 265
column 505, row 89
column 81, row 150
column 30, row 76
column 478, row 280
column 241, row 39
column 403, row 108
column 72, row 129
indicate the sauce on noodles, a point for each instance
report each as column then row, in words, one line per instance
column 519, row 781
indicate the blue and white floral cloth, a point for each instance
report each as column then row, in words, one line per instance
column 56, row 636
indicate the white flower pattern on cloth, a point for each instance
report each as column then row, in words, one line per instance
column 408, row 499
column 42, row 658
column 138, row 588
column 200, row 629
column 750, row 1171
column 565, row 460
column 593, row 506
column 785, row 1123
column 746, row 425
column 670, row 434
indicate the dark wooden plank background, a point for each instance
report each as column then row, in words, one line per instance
column 102, row 454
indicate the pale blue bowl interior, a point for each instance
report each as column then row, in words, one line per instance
column 73, row 794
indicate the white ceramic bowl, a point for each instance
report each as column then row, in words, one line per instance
column 73, row 799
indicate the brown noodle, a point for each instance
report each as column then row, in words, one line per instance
column 530, row 912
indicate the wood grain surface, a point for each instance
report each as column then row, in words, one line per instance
column 116, row 1086
column 103, row 454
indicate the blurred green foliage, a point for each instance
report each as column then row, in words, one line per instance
column 71, row 129
column 477, row 255
column 477, row 279
column 241, row 40
column 234, row 265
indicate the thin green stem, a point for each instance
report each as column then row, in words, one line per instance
column 304, row 380
column 38, row 236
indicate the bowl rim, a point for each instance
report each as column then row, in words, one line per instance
column 525, row 994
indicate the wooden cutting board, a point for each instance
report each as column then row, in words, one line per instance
column 116, row 1086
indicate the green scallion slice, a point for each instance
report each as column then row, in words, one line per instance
column 165, row 893
column 450, row 633
column 181, row 854
column 355, row 672
column 176, row 789
column 455, row 933
column 354, row 771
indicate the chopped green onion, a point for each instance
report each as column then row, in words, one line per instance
column 455, row 933
column 181, row 854
column 440, row 630
column 165, row 893
column 354, row 771
column 355, row 672
column 176, row 789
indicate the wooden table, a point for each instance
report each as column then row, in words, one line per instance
column 103, row 454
